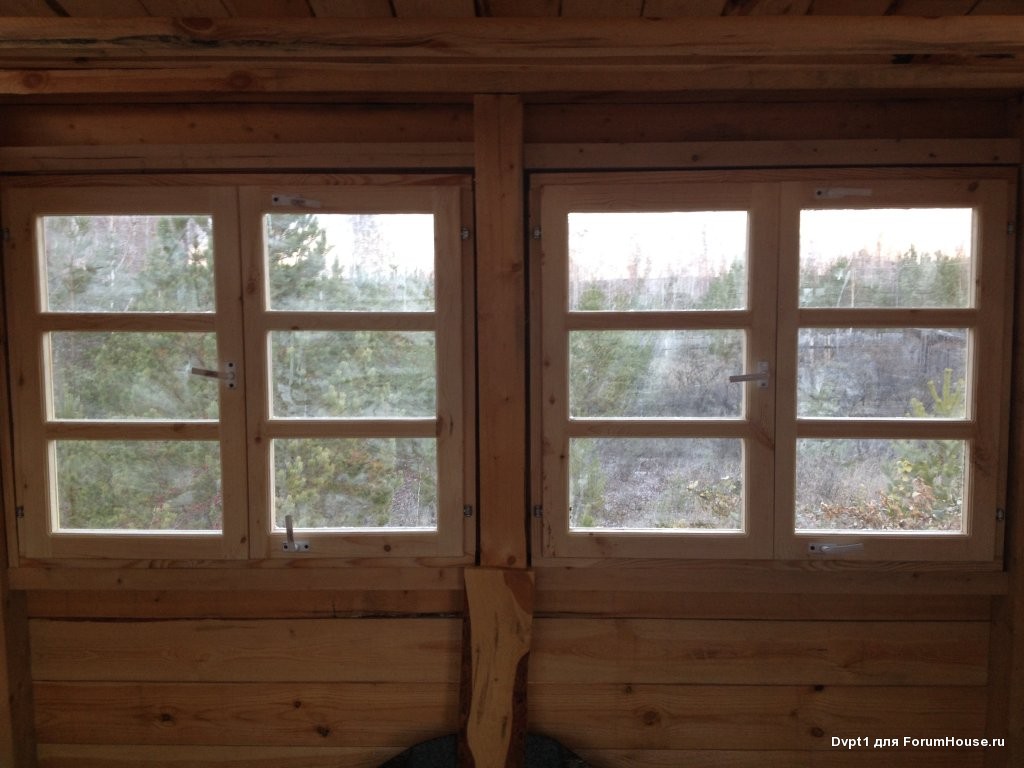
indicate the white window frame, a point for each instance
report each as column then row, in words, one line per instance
column 241, row 322
column 770, row 427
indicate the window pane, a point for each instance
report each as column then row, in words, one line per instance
column 644, row 483
column 886, row 257
column 655, row 373
column 353, row 374
column 356, row 483
column 382, row 262
column 882, row 372
column 880, row 485
column 128, row 263
column 138, row 485
column 658, row 261
column 133, row 375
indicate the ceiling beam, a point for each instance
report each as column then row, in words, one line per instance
column 231, row 56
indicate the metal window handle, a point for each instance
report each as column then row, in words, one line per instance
column 834, row 549
column 227, row 375
column 290, row 544
column 761, row 376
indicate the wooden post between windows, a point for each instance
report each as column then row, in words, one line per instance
column 501, row 330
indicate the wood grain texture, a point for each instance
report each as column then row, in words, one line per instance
column 501, row 331
column 762, row 718
column 130, row 756
column 268, row 714
column 862, row 758
column 759, row 652
column 316, row 650
column 500, row 618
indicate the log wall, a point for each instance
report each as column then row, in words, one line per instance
column 637, row 665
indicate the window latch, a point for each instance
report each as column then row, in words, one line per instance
column 227, row 375
column 760, row 376
column 290, row 544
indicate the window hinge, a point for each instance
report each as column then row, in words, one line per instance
column 1000, row 514
column 464, row 233
column 536, row 233
column 467, row 510
column 19, row 512
column 538, row 511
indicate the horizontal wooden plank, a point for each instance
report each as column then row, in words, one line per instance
column 216, row 157
column 287, row 575
column 282, row 714
column 315, row 650
column 621, row 576
column 242, row 604
column 863, row 758
column 772, row 153
column 596, row 716
column 759, row 652
column 831, row 118
column 132, row 756
column 812, row 578
column 518, row 40
column 738, row 605
column 429, row 81
column 744, row 717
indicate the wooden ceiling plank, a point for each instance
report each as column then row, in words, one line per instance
column 595, row 9
column 850, row 7
column 350, row 9
column 670, row 9
column 932, row 8
column 186, row 9
column 436, row 9
column 103, row 8
column 767, row 7
column 269, row 8
column 521, row 8
column 998, row 8
column 26, row 8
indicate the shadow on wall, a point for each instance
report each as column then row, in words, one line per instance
column 541, row 752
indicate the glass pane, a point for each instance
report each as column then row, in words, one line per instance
column 128, row 263
column 880, row 485
column 356, row 483
column 133, row 375
column 886, row 257
column 138, row 485
column 883, row 372
column 645, row 483
column 658, row 261
column 656, row 374
column 382, row 374
column 381, row 262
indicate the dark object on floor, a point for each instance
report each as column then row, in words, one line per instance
column 541, row 752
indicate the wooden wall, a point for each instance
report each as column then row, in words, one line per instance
column 643, row 665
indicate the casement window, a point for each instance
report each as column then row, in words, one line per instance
column 238, row 371
column 735, row 366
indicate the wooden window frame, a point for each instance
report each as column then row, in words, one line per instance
column 245, row 428
column 772, row 426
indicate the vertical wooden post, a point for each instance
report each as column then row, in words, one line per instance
column 501, row 330
column 17, row 740
column 499, row 594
